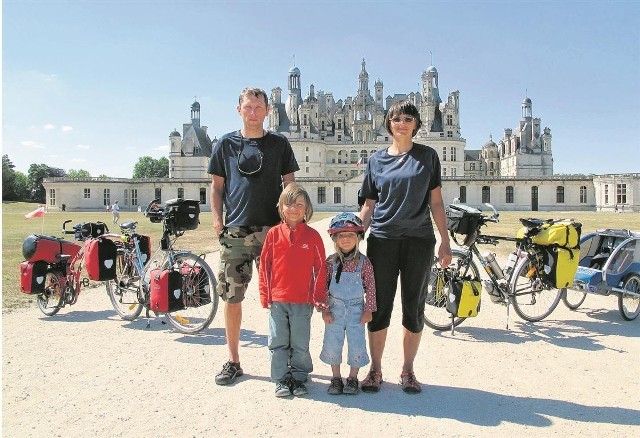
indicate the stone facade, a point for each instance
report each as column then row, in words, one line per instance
column 333, row 140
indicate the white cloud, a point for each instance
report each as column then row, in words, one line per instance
column 66, row 128
column 49, row 126
column 83, row 146
column 32, row 144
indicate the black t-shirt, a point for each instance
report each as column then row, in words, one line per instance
column 251, row 191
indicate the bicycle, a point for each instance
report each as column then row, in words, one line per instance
column 130, row 291
column 522, row 283
column 59, row 263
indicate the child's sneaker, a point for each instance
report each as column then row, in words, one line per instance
column 298, row 388
column 351, row 387
column 336, row 386
column 283, row 388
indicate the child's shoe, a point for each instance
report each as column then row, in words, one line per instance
column 283, row 388
column 298, row 388
column 336, row 387
column 352, row 386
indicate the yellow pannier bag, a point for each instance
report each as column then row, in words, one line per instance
column 560, row 266
column 564, row 233
column 464, row 298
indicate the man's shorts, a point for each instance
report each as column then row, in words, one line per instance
column 239, row 248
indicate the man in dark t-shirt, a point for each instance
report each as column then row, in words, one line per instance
column 249, row 169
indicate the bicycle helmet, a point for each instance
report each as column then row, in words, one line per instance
column 346, row 222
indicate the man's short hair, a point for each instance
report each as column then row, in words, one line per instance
column 253, row 91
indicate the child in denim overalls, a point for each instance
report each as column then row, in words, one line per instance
column 352, row 300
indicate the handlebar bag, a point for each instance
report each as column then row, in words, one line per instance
column 462, row 219
column 100, row 259
column 32, row 277
column 196, row 285
column 464, row 298
column 47, row 248
column 90, row 230
column 185, row 212
column 165, row 291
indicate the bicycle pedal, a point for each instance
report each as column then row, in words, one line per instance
column 182, row 320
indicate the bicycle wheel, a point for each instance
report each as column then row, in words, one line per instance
column 436, row 315
column 199, row 294
column 124, row 290
column 50, row 301
column 532, row 300
column 573, row 298
column 629, row 305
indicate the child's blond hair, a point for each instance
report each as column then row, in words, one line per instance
column 289, row 196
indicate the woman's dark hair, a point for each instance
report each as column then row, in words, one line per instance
column 405, row 107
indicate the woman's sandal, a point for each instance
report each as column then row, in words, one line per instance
column 409, row 383
column 372, row 382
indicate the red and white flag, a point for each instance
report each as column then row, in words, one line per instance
column 38, row 212
column 359, row 162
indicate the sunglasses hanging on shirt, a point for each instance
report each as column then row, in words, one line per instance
column 250, row 157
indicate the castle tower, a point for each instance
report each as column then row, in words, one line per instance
column 195, row 114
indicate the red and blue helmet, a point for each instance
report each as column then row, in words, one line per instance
column 346, row 222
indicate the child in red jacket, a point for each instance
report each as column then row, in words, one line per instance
column 292, row 281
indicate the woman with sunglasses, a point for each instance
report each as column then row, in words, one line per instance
column 402, row 188
column 249, row 169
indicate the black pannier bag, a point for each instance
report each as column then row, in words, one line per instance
column 185, row 213
column 144, row 243
column 462, row 219
column 37, row 247
column 32, row 277
column 100, row 259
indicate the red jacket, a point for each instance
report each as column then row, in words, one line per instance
column 292, row 266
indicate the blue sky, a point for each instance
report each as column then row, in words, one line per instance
column 95, row 85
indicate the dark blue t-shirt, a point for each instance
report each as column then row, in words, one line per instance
column 251, row 198
column 401, row 186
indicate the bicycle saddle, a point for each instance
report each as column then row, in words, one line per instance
column 531, row 222
column 128, row 225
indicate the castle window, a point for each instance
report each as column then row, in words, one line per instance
column 180, row 192
column 126, row 197
column 106, row 197
column 203, row 195
column 560, row 194
column 158, row 194
column 337, row 195
column 134, row 196
column 583, row 194
column 509, row 195
column 339, row 123
column 86, row 193
column 453, row 154
column 463, row 194
column 449, row 120
column 606, row 194
column 444, row 153
column 52, row 196
column 444, row 171
column 621, row 194
column 472, row 166
column 322, row 196
column 354, row 156
column 449, row 134
column 339, row 137
column 453, row 171
column 363, row 157
column 486, row 194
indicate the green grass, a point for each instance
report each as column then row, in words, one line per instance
column 15, row 228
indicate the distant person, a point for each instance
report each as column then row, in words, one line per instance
column 352, row 299
column 402, row 188
column 64, row 207
column 115, row 209
column 249, row 168
column 292, row 281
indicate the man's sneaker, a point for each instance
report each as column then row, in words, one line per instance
column 336, row 386
column 298, row 388
column 352, row 386
column 283, row 388
column 230, row 371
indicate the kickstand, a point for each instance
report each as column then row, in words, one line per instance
column 148, row 319
column 452, row 325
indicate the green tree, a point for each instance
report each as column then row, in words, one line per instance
column 8, row 180
column 35, row 175
column 80, row 173
column 148, row 167
column 21, row 186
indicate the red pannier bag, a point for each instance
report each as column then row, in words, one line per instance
column 32, row 277
column 165, row 291
column 37, row 247
column 100, row 259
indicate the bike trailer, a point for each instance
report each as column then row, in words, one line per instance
column 100, row 259
column 185, row 213
column 32, row 277
column 37, row 247
column 165, row 294
column 464, row 298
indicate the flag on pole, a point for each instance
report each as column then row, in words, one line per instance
column 359, row 162
column 38, row 212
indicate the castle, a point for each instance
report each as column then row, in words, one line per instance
column 333, row 139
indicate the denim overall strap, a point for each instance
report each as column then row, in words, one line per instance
column 350, row 286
